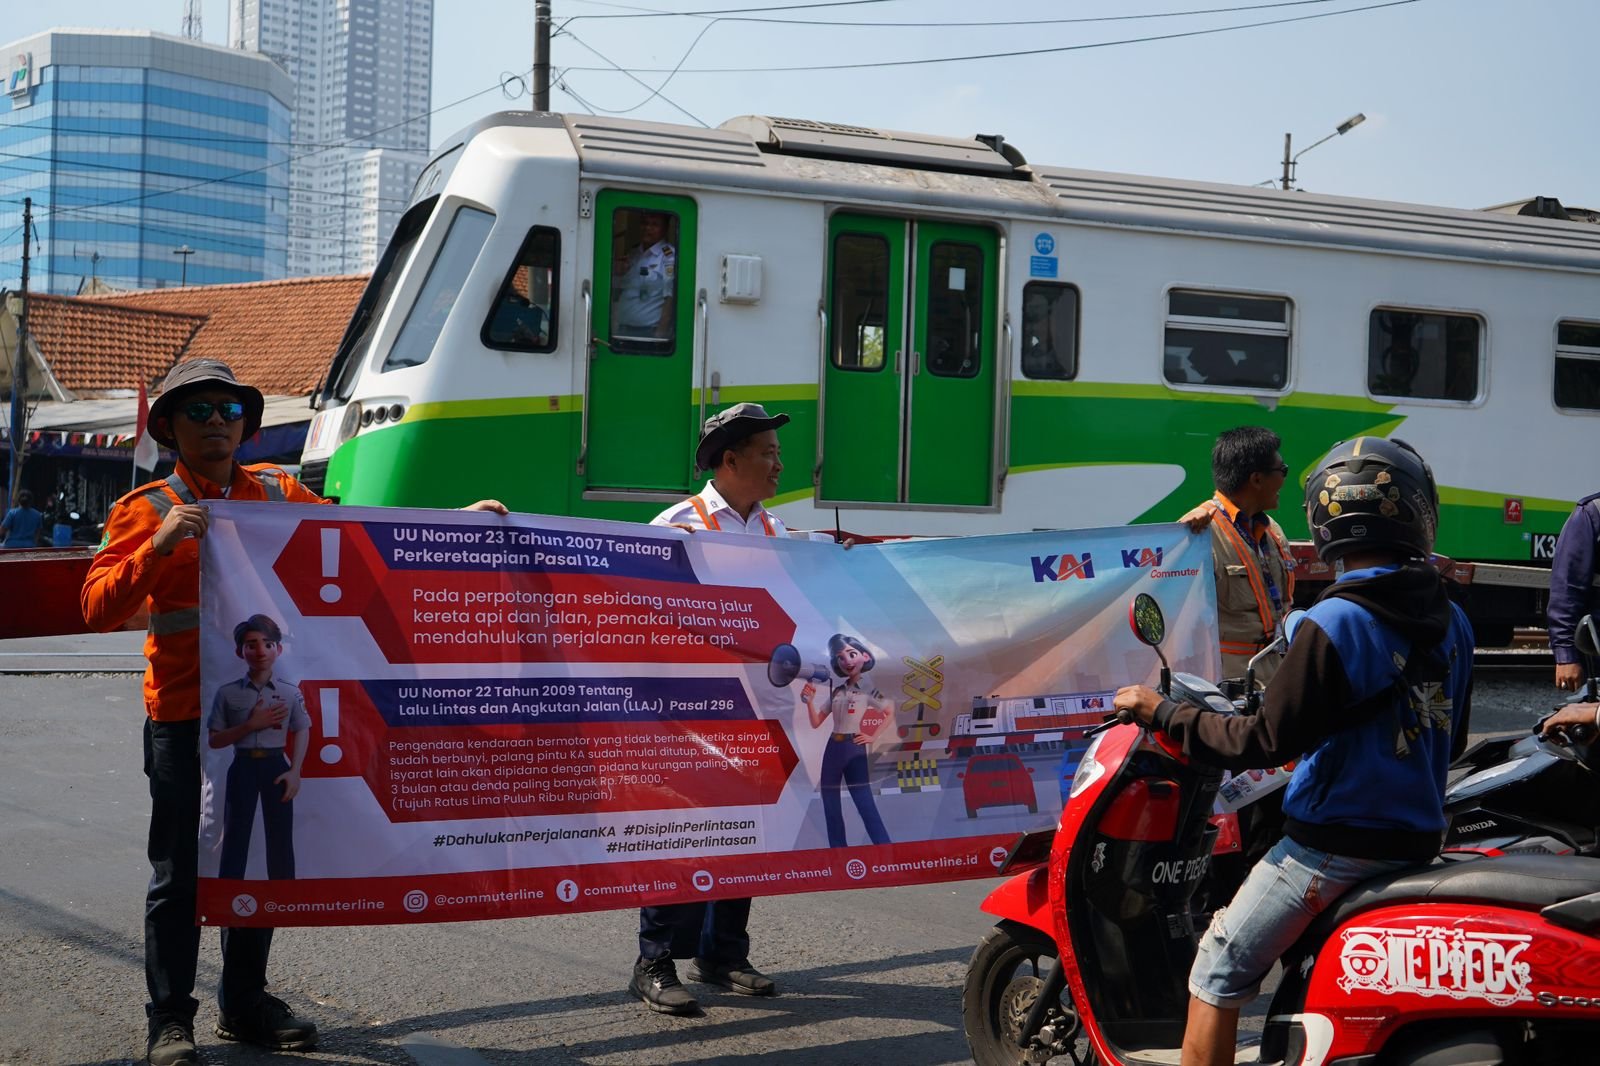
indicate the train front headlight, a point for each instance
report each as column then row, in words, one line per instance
column 351, row 423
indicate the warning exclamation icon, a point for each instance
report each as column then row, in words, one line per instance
column 330, row 563
column 329, row 700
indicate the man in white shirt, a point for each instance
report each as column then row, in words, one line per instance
column 740, row 448
column 643, row 289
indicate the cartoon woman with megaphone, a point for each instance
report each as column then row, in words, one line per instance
column 844, row 760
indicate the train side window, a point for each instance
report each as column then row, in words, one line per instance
column 860, row 300
column 1049, row 331
column 955, row 310
column 524, row 315
column 1578, row 366
column 644, row 282
column 447, row 275
column 354, row 347
column 1227, row 340
column 1423, row 355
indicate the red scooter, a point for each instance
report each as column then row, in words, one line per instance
column 1474, row 962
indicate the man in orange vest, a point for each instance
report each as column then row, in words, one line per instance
column 1250, row 554
column 150, row 558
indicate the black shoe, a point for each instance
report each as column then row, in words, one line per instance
column 171, row 1043
column 656, row 982
column 271, row 1024
column 739, row 976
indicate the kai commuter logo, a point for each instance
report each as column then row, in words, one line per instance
column 21, row 78
column 1140, row 558
column 1062, row 567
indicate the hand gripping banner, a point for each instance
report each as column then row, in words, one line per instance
column 422, row 716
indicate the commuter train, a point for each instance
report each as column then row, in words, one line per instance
column 965, row 343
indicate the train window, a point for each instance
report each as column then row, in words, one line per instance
column 644, row 281
column 955, row 310
column 353, row 349
column 1578, row 366
column 446, row 277
column 1423, row 355
column 524, row 315
column 860, row 300
column 1227, row 340
column 1049, row 331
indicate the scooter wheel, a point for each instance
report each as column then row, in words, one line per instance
column 1004, row 978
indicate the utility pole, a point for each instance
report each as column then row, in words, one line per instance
column 541, row 55
column 19, row 376
column 183, row 275
column 1288, row 165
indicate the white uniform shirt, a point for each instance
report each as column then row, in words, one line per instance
column 847, row 705
column 642, row 287
column 727, row 519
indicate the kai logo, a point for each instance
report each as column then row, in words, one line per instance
column 1138, row 557
column 1062, row 567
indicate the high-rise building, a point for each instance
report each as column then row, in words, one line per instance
column 135, row 146
column 363, row 72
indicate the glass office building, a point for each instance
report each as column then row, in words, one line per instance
column 137, row 147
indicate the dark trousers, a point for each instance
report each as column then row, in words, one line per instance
column 717, row 931
column 844, row 765
column 253, row 781
column 171, row 937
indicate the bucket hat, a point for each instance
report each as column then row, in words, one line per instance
column 192, row 375
column 728, row 428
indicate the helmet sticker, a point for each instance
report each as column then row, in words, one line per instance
column 1333, row 479
column 1382, row 478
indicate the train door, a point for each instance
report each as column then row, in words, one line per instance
column 641, row 429
column 908, row 388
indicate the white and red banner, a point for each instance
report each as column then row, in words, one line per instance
column 515, row 716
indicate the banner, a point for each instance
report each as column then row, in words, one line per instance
column 499, row 717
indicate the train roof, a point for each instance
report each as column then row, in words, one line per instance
column 856, row 164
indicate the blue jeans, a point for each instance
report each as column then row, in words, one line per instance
column 171, row 937
column 1290, row 886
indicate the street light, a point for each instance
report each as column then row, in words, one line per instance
column 186, row 252
column 1289, row 161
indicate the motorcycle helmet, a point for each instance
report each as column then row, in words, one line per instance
column 1372, row 493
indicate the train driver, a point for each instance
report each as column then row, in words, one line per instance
column 643, row 288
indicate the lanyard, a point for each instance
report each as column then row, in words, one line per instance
column 709, row 520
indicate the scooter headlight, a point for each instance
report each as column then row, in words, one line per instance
column 1090, row 769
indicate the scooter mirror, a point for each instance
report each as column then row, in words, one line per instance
column 1586, row 639
column 1146, row 619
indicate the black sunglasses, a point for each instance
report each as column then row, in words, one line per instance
column 201, row 410
column 1281, row 468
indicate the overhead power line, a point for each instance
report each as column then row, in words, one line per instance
column 952, row 23
column 1000, row 55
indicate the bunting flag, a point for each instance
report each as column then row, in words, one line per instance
column 145, row 453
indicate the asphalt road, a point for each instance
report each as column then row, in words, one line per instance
column 866, row 977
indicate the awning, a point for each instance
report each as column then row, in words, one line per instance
column 119, row 417
column 103, row 429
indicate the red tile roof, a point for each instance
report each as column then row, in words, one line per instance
column 92, row 349
column 277, row 335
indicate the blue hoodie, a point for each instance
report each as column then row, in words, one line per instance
column 1373, row 697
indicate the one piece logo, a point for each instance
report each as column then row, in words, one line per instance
column 1432, row 960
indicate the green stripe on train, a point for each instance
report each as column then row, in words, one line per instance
column 523, row 451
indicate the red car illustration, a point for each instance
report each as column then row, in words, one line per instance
column 997, row 780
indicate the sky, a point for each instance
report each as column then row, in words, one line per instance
column 1468, row 103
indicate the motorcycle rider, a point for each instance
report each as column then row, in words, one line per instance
column 1373, row 695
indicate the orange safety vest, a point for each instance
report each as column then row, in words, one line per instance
column 126, row 574
column 1247, row 635
column 709, row 520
